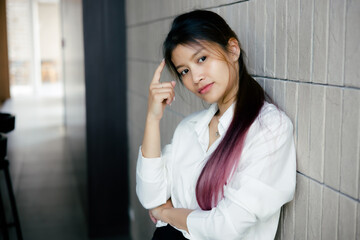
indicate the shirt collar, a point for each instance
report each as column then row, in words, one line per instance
column 226, row 119
column 205, row 119
column 224, row 122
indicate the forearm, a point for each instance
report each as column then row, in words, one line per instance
column 176, row 217
column 160, row 95
column 151, row 146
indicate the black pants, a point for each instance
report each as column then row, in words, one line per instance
column 167, row 233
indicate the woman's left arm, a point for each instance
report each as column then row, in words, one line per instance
column 174, row 216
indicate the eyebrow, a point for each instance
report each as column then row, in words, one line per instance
column 192, row 57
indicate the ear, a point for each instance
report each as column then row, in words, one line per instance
column 234, row 49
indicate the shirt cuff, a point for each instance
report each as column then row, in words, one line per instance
column 195, row 224
column 150, row 169
column 161, row 224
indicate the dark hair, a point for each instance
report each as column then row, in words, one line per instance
column 195, row 27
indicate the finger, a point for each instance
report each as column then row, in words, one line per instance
column 162, row 85
column 162, row 90
column 171, row 100
column 157, row 74
column 152, row 217
column 162, row 97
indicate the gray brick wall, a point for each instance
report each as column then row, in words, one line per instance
column 306, row 55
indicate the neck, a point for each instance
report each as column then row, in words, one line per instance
column 223, row 107
column 230, row 97
column 226, row 102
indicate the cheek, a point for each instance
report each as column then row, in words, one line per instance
column 224, row 69
column 190, row 87
column 223, row 72
column 187, row 83
column 217, row 68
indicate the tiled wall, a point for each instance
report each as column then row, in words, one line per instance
column 306, row 55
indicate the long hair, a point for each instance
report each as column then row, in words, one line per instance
column 199, row 26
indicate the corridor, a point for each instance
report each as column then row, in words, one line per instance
column 42, row 172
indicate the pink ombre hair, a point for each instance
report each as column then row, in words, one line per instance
column 217, row 171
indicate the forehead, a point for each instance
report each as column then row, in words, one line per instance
column 185, row 52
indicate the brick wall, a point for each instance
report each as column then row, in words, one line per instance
column 306, row 55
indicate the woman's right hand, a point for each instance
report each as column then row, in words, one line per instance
column 155, row 213
column 160, row 94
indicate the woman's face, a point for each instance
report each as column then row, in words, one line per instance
column 206, row 73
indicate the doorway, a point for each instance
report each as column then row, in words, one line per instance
column 34, row 45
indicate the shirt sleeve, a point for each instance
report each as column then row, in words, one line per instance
column 264, row 181
column 152, row 179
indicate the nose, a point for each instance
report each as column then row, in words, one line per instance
column 197, row 75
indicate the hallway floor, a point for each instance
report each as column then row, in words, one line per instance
column 42, row 173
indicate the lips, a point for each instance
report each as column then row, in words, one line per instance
column 205, row 89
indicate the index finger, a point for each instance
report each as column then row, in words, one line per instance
column 157, row 74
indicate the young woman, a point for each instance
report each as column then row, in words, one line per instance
column 228, row 169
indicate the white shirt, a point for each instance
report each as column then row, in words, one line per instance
column 263, row 181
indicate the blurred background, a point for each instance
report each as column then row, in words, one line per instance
column 75, row 74
column 63, row 76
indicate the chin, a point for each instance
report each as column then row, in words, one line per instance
column 209, row 100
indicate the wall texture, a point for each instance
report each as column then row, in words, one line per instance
column 306, row 55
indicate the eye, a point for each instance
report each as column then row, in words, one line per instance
column 202, row 59
column 183, row 72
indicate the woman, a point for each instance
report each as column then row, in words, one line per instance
column 228, row 169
